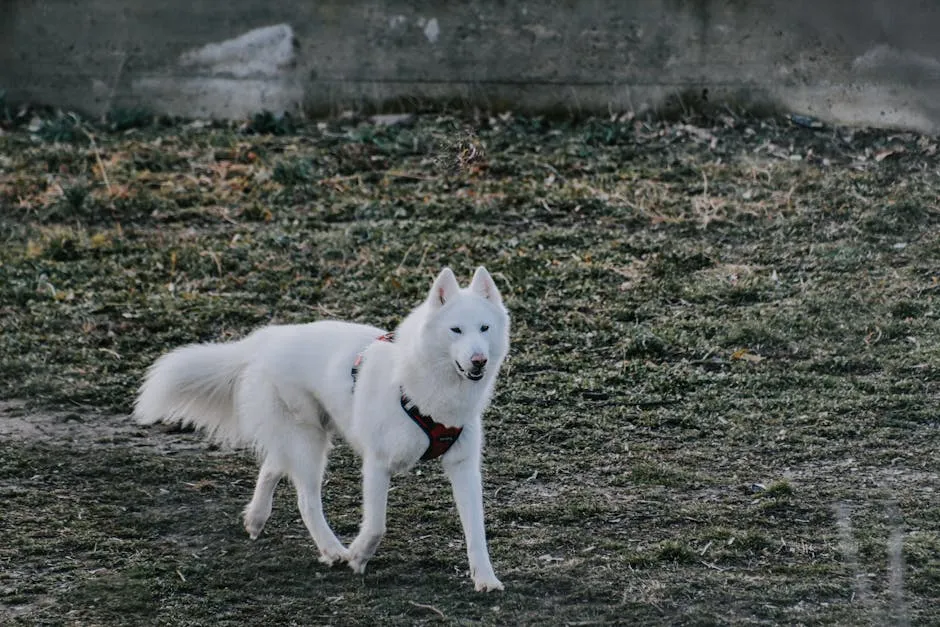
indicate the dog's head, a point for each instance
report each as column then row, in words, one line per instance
column 471, row 324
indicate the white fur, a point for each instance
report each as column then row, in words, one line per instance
column 284, row 390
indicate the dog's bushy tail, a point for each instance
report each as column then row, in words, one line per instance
column 195, row 385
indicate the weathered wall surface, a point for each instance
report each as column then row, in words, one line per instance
column 851, row 61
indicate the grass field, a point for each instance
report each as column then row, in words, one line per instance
column 721, row 405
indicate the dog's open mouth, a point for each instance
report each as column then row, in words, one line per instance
column 473, row 374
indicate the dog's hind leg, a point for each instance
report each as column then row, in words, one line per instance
column 375, row 482
column 291, row 446
column 259, row 509
column 257, row 407
column 307, row 466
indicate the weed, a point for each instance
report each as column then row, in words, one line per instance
column 75, row 196
column 267, row 123
column 293, row 172
column 122, row 119
column 64, row 127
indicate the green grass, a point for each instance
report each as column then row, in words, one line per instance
column 718, row 344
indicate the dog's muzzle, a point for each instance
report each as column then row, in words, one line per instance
column 476, row 371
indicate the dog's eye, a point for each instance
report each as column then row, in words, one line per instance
column 456, row 330
column 484, row 328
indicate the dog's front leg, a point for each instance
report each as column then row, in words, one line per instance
column 468, row 493
column 375, row 482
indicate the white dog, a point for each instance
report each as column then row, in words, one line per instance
column 396, row 399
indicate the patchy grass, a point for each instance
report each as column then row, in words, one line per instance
column 720, row 405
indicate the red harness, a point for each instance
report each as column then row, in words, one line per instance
column 440, row 437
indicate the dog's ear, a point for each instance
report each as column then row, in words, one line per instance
column 484, row 285
column 445, row 287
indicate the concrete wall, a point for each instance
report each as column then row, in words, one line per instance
column 851, row 61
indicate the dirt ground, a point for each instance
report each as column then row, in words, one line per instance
column 720, row 406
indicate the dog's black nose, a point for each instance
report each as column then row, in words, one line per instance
column 478, row 361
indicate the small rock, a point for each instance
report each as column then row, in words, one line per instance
column 805, row 121
column 393, row 119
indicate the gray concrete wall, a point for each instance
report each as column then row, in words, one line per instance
column 862, row 61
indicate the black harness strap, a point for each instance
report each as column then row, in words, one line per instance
column 440, row 437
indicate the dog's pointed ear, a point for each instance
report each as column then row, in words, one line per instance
column 445, row 287
column 484, row 285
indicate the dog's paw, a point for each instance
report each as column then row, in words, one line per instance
column 487, row 584
column 254, row 525
column 362, row 549
column 331, row 556
column 357, row 564
column 484, row 579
